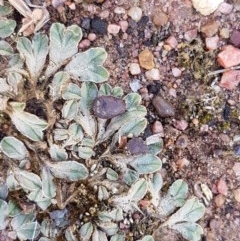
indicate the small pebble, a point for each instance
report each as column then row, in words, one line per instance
column 190, row 35
column 159, row 18
column 182, row 141
column 236, row 169
column 134, row 69
column 157, row 128
column 172, row 42
column 135, row 85
column 113, row 29
column 84, row 44
column 181, row 163
column 236, row 194
column 206, row 7
column 146, row 59
column 153, row 74
column 180, row 125
column 123, row 25
column 235, row 38
column 210, row 28
column 229, row 56
column 92, row 37
column 104, row 14
column 137, row 146
column 99, row 25
column 224, row 33
column 72, row 6
column 225, row 8
column 212, row 42
column 176, row 72
column 230, row 79
column 172, row 92
column 86, row 23
column 219, row 200
column 135, row 13
column 163, row 108
column 236, row 149
column 222, row 187
column 119, row 10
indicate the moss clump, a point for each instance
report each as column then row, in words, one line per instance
column 196, row 59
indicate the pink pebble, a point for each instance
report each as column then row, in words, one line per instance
column 230, row 79
column 190, row 35
column 84, row 44
column 123, row 25
column 113, row 29
column 176, row 72
column 180, row 125
column 92, row 36
column 172, row 42
column 225, row 8
column 212, row 42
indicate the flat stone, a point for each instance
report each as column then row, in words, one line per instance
column 206, row 7
column 229, row 56
column 230, row 79
column 210, row 28
column 163, row 108
column 146, row 59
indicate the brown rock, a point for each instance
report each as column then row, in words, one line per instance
column 229, row 56
column 159, row 18
column 210, row 28
column 219, row 200
column 163, row 108
column 222, row 187
column 146, row 59
column 230, row 79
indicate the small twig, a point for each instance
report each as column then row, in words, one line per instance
column 223, row 70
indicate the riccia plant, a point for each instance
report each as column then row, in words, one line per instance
column 76, row 163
